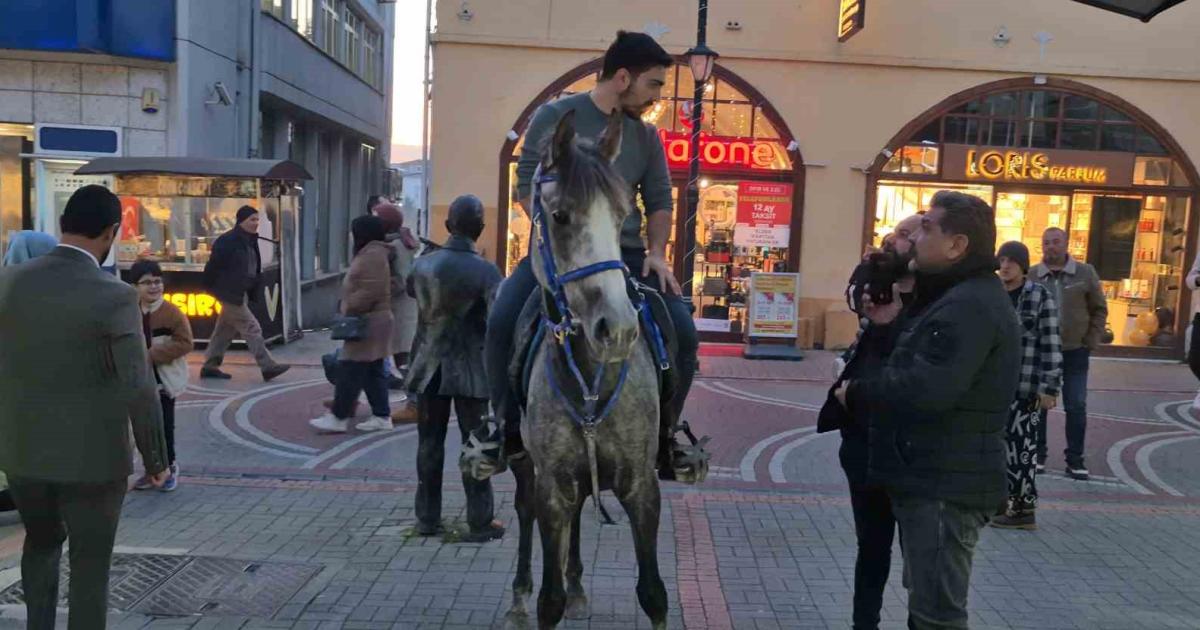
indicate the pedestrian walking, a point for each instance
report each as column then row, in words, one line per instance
column 937, row 406
column 1082, row 312
column 22, row 247
column 454, row 287
column 366, row 300
column 74, row 375
column 874, row 522
column 234, row 275
column 404, row 307
column 168, row 335
column 1037, row 390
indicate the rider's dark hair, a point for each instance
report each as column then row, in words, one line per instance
column 635, row 52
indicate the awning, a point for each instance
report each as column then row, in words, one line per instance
column 1144, row 10
column 201, row 167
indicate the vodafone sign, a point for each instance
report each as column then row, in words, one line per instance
column 725, row 153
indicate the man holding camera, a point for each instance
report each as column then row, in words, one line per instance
column 938, row 403
column 874, row 523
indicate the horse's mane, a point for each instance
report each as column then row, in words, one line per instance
column 587, row 174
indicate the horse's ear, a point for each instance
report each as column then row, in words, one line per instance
column 564, row 135
column 610, row 141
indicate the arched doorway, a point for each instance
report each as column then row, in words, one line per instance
column 745, row 145
column 1059, row 153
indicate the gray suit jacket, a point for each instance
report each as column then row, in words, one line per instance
column 454, row 287
column 74, row 374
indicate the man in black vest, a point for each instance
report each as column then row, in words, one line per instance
column 938, row 404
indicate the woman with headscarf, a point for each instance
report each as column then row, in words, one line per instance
column 366, row 293
column 404, row 308
column 22, row 247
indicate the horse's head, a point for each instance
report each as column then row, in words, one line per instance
column 580, row 202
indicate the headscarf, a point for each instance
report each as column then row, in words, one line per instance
column 393, row 222
column 27, row 245
column 366, row 230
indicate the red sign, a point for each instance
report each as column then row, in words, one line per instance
column 130, row 219
column 764, row 214
column 724, row 153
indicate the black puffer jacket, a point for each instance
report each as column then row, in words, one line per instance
column 939, row 405
column 234, row 269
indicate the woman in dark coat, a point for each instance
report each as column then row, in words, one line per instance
column 366, row 293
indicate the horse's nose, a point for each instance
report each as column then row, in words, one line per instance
column 602, row 332
column 610, row 334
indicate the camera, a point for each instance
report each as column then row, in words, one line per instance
column 874, row 277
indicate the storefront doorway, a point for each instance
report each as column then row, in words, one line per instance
column 1063, row 155
column 748, row 159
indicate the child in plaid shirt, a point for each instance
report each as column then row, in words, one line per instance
column 1041, row 376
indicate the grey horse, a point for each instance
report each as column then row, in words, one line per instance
column 581, row 201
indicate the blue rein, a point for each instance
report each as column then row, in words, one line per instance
column 589, row 414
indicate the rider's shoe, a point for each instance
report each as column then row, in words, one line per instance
column 685, row 463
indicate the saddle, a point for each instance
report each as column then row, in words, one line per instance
column 529, row 334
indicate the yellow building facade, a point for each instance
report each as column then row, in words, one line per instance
column 1057, row 113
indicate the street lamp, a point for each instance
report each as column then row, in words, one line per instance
column 701, row 59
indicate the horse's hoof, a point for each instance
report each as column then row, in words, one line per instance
column 516, row 620
column 577, row 608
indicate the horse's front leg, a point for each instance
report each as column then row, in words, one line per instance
column 556, row 505
column 577, row 601
column 522, row 585
column 643, row 504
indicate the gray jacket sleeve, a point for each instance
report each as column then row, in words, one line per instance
column 656, row 183
column 542, row 125
column 131, row 365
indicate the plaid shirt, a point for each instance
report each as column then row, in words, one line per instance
column 1041, row 342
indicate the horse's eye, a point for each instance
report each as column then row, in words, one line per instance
column 561, row 217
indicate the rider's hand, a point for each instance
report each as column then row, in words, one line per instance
column 1047, row 402
column 160, row 478
column 882, row 314
column 666, row 278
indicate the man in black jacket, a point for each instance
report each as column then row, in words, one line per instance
column 234, row 274
column 937, row 406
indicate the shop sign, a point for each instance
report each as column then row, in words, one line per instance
column 724, row 153
column 1084, row 168
column 852, row 17
column 764, row 214
column 773, row 304
column 195, row 304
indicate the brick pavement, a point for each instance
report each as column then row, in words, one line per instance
column 731, row 559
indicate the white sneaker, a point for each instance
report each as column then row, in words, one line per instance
column 1196, row 403
column 328, row 424
column 375, row 424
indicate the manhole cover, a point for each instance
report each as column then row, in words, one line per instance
column 223, row 587
column 188, row 585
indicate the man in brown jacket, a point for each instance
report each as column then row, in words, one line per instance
column 73, row 376
column 1083, row 312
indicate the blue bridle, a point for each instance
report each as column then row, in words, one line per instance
column 587, row 417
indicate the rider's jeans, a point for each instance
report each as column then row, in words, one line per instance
column 514, row 292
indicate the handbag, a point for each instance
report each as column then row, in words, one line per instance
column 173, row 375
column 348, row 328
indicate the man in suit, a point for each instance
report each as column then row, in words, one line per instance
column 73, row 376
column 454, row 286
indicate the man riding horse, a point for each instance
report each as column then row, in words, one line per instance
column 631, row 81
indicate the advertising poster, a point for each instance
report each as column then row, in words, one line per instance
column 773, row 304
column 764, row 214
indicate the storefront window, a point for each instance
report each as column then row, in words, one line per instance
column 1025, row 217
column 741, row 227
column 895, row 201
column 918, row 160
column 175, row 220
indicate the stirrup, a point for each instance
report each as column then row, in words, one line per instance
column 480, row 459
column 689, row 462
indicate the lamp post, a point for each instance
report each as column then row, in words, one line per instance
column 701, row 60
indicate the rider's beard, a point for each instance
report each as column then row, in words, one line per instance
column 637, row 109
